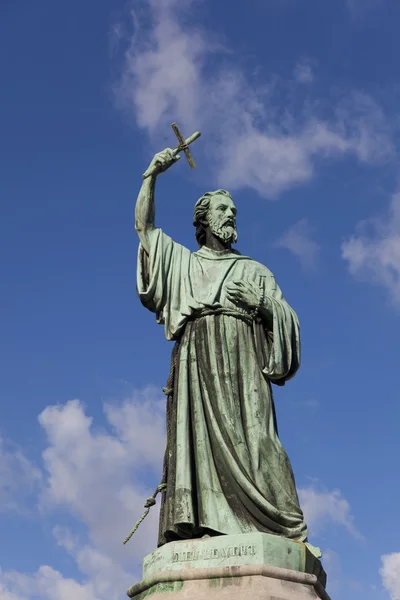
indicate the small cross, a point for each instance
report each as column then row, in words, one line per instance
column 182, row 147
column 183, row 144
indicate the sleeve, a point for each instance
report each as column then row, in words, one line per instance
column 281, row 335
column 162, row 280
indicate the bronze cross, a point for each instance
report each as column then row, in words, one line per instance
column 183, row 144
column 182, row 147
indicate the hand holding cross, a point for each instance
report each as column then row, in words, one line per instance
column 163, row 160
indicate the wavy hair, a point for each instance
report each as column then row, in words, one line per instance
column 200, row 214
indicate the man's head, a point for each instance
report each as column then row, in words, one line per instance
column 216, row 211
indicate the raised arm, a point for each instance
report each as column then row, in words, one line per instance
column 145, row 211
column 145, row 206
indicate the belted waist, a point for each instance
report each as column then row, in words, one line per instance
column 221, row 310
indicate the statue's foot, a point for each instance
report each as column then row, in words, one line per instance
column 314, row 550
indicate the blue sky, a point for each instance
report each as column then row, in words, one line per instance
column 298, row 108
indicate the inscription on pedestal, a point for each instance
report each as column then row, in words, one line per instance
column 214, row 553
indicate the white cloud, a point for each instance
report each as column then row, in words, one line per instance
column 18, row 477
column 98, row 476
column 164, row 76
column 322, row 508
column 303, row 72
column 102, row 478
column 6, row 590
column 390, row 573
column 46, row 584
column 107, row 576
column 298, row 240
column 373, row 252
column 250, row 138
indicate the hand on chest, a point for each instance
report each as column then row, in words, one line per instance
column 212, row 282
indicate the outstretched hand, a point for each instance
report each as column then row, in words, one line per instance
column 246, row 293
column 161, row 162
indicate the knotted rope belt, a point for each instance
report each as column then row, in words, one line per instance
column 221, row 310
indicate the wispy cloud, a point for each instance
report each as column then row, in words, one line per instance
column 298, row 240
column 390, row 573
column 19, row 478
column 322, row 507
column 304, row 71
column 373, row 252
column 333, row 566
column 173, row 70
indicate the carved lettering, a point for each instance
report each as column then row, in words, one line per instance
column 213, row 553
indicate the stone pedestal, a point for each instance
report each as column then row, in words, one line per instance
column 253, row 566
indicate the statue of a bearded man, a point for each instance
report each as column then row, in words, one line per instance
column 225, row 470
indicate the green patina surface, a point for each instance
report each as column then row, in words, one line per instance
column 161, row 588
column 226, row 474
column 225, row 470
column 233, row 551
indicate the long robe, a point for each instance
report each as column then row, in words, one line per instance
column 227, row 471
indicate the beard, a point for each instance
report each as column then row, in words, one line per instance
column 226, row 233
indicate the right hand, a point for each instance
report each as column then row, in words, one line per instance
column 162, row 161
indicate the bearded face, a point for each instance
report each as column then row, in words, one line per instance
column 222, row 219
column 224, row 230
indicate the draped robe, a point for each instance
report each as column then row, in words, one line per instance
column 226, row 469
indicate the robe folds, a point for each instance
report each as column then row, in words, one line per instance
column 226, row 469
